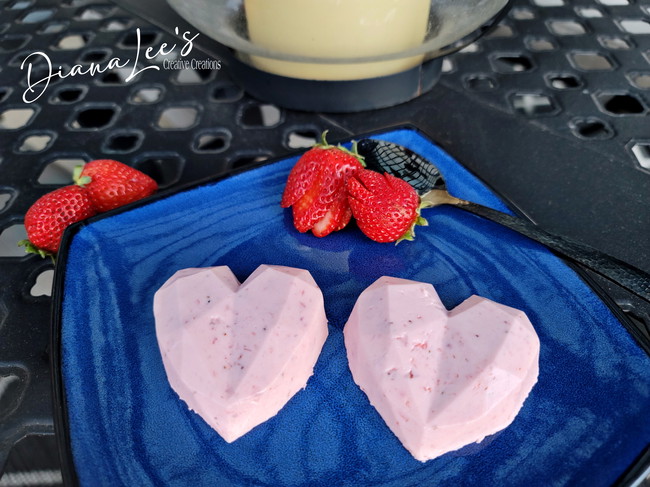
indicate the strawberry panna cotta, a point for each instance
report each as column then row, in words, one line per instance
column 329, row 184
column 100, row 185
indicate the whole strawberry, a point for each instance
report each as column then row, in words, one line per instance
column 386, row 208
column 316, row 191
column 51, row 214
column 112, row 184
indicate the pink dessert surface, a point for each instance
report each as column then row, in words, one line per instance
column 440, row 379
column 236, row 354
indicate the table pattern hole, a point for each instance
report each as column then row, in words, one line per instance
column 302, row 139
column 15, row 118
column 178, row 118
column 591, row 61
column 614, row 42
column 500, row 31
column 512, row 63
column 193, row 76
column 74, row 3
column 116, row 25
column 640, row 80
column 42, row 284
column 114, row 76
column 95, row 56
column 165, row 169
column 123, row 142
column 533, row 104
column 13, row 383
column 35, row 143
column 147, row 38
column 3, row 314
column 93, row 118
column 564, row 81
column 620, row 104
column 212, row 142
column 549, row 3
column 226, row 92
column 18, row 59
column 59, row 171
column 589, row 12
column 147, row 95
column 69, row 94
column 591, row 128
column 95, row 12
column 257, row 115
column 20, row 5
column 470, row 48
column 40, row 72
column 447, row 65
column 522, row 13
column 641, row 151
column 566, row 27
column 613, row 3
column 9, row 238
column 10, row 43
column 4, row 93
column 53, row 27
column 168, row 59
column 36, row 16
column 480, row 83
column 5, row 200
column 635, row 26
column 72, row 42
column 540, row 44
column 244, row 160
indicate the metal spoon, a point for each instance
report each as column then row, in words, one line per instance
column 420, row 173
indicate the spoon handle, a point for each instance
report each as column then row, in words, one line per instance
column 634, row 280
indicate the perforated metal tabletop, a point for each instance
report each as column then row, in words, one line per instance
column 550, row 109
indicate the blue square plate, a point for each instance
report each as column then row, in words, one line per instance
column 584, row 422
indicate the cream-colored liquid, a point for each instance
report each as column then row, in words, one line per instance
column 337, row 28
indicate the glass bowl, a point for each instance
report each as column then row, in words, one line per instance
column 339, row 40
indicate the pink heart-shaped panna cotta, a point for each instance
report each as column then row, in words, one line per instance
column 237, row 353
column 440, row 379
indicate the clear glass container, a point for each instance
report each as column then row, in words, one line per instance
column 338, row 39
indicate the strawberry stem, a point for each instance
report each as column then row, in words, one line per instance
column 78, row 179
column 30, row 248
column 323, row 140
column 355, row 152
column 323, row 144
column 410, row 233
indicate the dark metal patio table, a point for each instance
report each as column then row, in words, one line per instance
column 550, row 109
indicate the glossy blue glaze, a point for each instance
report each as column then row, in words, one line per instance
column 583, row 424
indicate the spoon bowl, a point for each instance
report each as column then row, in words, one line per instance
column 427, row 180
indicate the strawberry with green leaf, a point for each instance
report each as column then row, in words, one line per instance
column 112, row 184
column 386, row 208
column 316, row 191
column 51, row 214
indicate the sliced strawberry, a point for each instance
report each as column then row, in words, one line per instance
column 315, row 189
column 337, row 217
column 301, row 178
column 309, row 209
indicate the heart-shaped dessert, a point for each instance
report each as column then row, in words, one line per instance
column 237, row 353
column 439, row 379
